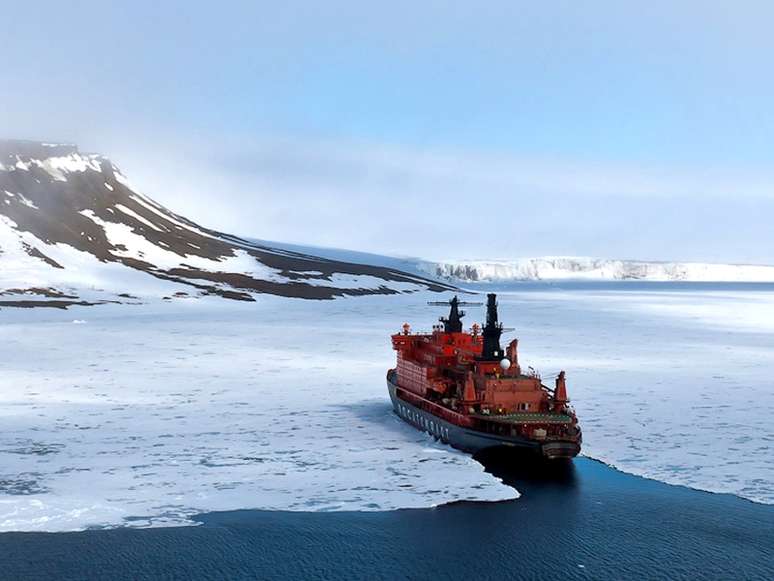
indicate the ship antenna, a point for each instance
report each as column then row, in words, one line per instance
column 453, row 323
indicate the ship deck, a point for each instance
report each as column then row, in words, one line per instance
column 525, row 418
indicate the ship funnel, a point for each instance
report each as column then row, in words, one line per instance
column 492, row 331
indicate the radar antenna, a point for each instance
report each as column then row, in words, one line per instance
column 453, row 323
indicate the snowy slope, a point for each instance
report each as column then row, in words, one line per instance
column 581, row 268
column 404, row 264
column 73, row 228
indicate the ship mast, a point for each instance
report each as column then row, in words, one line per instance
column 453, row 323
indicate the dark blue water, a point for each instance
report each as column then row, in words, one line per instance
column 581, row 521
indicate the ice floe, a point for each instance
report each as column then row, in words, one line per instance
column 149, row 414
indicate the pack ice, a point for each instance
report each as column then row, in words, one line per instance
column 147, row 415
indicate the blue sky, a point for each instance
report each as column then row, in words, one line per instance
column 615, row 129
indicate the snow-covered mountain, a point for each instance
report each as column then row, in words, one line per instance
column 73, row 230
column 581, row 268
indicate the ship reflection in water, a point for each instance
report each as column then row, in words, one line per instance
column 528, row 472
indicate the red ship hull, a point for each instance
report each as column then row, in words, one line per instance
column 422, row 416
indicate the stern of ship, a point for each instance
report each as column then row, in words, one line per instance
column 560, row 450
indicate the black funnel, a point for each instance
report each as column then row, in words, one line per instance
column 492, row 331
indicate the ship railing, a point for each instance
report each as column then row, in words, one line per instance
column 532, row 372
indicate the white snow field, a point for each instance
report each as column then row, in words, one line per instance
column 144, row 415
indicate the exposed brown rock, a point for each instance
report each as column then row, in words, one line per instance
column 56, row 304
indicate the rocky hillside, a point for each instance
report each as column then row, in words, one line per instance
column 74, row 230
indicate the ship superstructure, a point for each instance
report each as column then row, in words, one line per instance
column 463, row 388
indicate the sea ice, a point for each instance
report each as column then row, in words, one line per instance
column 151, row 413
column 669, row 383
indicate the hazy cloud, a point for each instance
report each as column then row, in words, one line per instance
column 436, row 129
